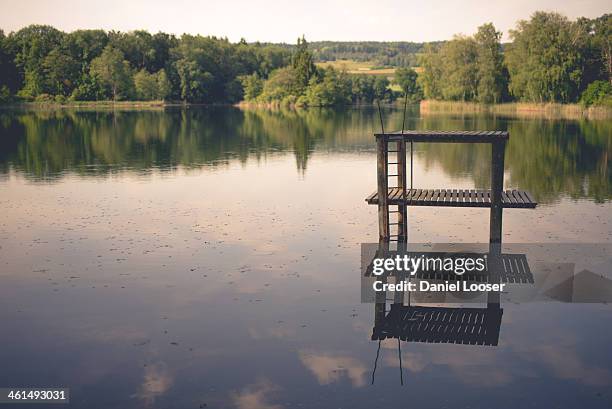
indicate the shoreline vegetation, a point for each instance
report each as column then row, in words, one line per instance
column 426, row 107
column 518, row 109
column 553, row 66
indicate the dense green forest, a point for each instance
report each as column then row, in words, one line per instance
column 42, row 63
column 550, row 59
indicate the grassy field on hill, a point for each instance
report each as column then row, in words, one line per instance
column 359, row 67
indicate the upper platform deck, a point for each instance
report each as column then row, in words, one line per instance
column 446, row 136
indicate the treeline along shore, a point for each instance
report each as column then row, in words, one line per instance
column 550, row 59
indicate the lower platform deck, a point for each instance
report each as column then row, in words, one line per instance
column 455, row 198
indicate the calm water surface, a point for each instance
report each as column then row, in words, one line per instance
column 209, row 257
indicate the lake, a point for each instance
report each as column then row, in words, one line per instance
column 208, row 257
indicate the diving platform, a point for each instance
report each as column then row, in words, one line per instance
column 510, row 199
column 393, row 188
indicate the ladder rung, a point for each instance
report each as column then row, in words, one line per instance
column 392, row 163
column 392, row 151
column 392, row 175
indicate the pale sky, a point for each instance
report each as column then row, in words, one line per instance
column 284, row 21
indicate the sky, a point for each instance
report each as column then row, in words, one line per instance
column 285, row 20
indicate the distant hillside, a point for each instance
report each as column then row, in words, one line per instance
column 378, row 53
column 396, row 54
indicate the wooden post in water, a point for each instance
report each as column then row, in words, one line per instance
column 402, row 214
column 383, row 182
column 495, row 228
column 497, row 186
column 398, row 296
column 380, row 308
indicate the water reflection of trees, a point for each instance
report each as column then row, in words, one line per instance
column 546, row 157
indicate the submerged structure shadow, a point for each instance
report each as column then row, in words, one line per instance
column 473, row 326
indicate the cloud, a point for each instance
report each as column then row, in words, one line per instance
column 157, row 381
column 329, row 368
column 414, row 362
column 566, row 364
column 256, row 396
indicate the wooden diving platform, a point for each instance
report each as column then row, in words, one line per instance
column 393, row 189
column 510, row 199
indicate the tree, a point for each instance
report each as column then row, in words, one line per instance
column 32, row 44
column 145, row 85
column 85, row 45
column 459, row 69
column 381, row 88
column 161, row 46
column 9, row 81
column 596, row 48
column 164, row 87
column 61, row 72
column 597, row 93
column 280, row 85
column 195, row 83
column 303, row 66
column 544, row 59
column 406, row 78
column 113, row 72
column 206, row 68
column 602, row 41
column 136, row 46
column 362, row 88
column 89, row 89
column 489, row 64
column 333, row 89
column 252, row 86
column 430, row 79
column 271, row 57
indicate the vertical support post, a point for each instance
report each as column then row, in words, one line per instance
column 382, row 182
column 380, row 308
column 497, row 185
column 398, row 296
column 495, row 221
column 402, row 215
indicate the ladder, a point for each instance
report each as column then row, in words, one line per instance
column 393, row 223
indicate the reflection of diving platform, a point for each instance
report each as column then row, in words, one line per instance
column 446, row 136
column 473, row 326
column 512, row 268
